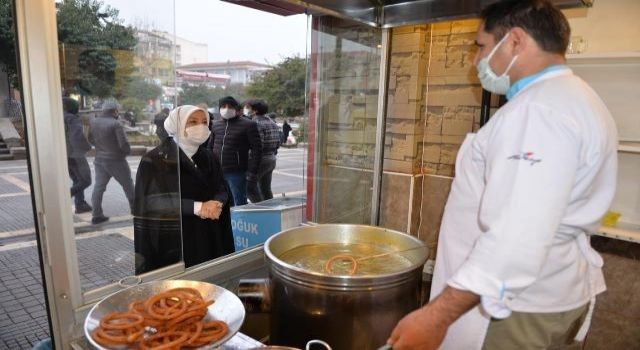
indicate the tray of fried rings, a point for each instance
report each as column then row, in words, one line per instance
column 165, row 315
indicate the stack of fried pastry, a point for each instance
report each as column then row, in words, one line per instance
column 169, row 320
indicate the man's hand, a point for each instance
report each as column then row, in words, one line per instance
column 418, row 330
column 211, row 210
column 425, row 328
column 218, row 210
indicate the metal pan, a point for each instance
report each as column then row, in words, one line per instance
column 227, row 307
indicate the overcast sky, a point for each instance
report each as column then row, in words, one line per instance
column 232, row 32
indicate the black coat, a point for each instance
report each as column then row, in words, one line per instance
column 77, row 144
column 157, row 236
column 286, row 129
column 231, row 141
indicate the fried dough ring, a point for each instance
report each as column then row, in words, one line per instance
column 175, row 315
column 167, row 341
column 328, row 266
column 114, row 321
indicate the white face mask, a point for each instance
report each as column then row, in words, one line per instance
column 227, row 113
column 489, row 79
column 247, row 112
column 197, row 134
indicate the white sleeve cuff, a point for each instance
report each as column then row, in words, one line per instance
column 196, row 208
column 495, row 308
column 493, row 295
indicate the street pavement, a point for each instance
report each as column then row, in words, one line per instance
column 105, row 252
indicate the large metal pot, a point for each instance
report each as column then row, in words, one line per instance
column 348, row 312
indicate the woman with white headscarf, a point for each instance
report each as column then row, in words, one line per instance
column 181, row 180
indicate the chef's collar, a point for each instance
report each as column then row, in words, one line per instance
column 526, row 81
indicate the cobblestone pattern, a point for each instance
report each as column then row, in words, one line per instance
column 23, row 319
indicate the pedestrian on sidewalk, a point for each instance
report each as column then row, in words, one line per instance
column 286, row 129
column 270, row 135
column 112, row 149
column 191, row 190
column 77, row 148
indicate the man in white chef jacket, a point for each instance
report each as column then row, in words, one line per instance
column 514, row 267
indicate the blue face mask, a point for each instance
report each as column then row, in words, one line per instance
column 489, row 79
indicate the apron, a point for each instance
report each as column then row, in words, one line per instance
column 458, row 233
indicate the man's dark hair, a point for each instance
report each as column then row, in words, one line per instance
column 70, row 105
column 229, row 101
column 540, row 18
column 259, row 106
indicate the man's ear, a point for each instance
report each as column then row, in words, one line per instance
column 520, row 40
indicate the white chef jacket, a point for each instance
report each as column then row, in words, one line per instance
column 529, row 189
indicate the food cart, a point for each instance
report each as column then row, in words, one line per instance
column 373, row 157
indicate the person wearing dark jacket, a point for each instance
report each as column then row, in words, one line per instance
column 231, row 140
column 158, row 120
column 77, row 148
column 112, row 149
column 181, row 180
column 286, row 129
column 270, row 135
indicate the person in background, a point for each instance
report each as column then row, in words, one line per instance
column 515, row 268
column 77, row 148
column 180, row 181
column 286, row 129
column 205, row 108
column 271, row 136
column 158, row 120
column 232, row 138
column 128, row 116
column 243, row 111
column 112, row 149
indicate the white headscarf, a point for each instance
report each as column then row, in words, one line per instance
column 175, row 124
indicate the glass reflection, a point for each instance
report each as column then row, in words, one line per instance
column 117, row 79
column 345, row 75
column 126, row 70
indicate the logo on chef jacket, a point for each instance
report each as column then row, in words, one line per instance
column 527, row 157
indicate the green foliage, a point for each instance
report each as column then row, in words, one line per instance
column 97, row 50
column 302, row 133
column 134, row 105
column 193, row 95
column 7, row 43
column 196, row 94
column 283, row 87
column 142, row 90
